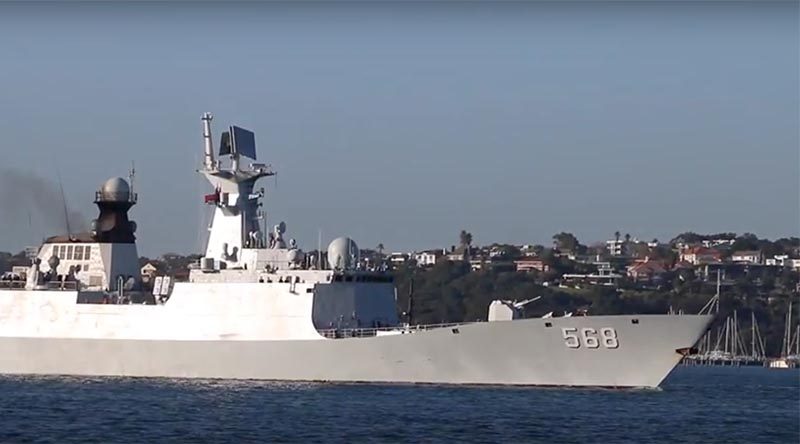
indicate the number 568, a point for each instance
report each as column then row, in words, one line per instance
column 589, row 338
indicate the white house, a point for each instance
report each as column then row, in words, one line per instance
column 427, row 258
column 747, row 257
column 148, row 272
column 779, row 260
column 398, row 258
column 710, row 243
column 616, row 247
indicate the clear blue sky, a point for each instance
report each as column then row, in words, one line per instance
column 404, row 123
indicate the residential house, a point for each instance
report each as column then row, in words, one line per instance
column 779, row 260
column 605, row 275
column 783, row 260
column 479, row 263
column 428, row 258
column 454, row 256
column 526, row 264
column 529, row 250
column 398, row 258
column 647, row 270
column 710, row 243
column 148, row 271
column 747, row 257
column 616, row 247
column 700, row 255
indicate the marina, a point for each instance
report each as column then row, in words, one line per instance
column 729, row 345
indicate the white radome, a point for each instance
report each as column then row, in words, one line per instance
column 342, row 253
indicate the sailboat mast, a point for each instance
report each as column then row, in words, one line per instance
column 727, row 333
column 753, row 334
column 789, row 329
column 734, row 345
column 796, row 340
column 785, row 346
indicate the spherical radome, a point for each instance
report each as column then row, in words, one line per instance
column 116, row 188
column 342, row 253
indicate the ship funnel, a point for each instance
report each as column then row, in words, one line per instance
column 207, row 142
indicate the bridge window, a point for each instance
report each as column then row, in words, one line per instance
column 69, row 253
column 87, row 253
column 79, row 252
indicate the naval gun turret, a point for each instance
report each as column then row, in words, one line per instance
column 503, row 310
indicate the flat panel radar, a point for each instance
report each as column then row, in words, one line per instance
column 243, row 142
column 225, row 143
column 238, row 141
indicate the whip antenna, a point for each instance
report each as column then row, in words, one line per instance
column 64, row 202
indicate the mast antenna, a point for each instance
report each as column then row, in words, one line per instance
column 131, row 177
column 319, row 248
column 64, row 203
column 208, row 144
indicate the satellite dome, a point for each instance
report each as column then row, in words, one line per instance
column 342, row 253
column 116, row 189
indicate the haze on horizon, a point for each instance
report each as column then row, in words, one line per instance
column 402, row 124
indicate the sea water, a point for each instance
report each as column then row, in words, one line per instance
column 695, row 404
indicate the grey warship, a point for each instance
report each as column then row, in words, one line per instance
column 257, row 306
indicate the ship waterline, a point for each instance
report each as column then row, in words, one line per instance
column 519, row 352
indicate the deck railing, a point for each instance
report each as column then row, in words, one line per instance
column 12, row 285
column 339, row 333
column 53, row 286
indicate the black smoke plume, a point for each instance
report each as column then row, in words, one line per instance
column 24, row 195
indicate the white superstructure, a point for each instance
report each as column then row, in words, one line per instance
column 257, row 306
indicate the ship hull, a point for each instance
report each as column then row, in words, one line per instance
column 535, row 352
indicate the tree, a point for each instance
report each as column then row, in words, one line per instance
column 616, row 236
column 566, row 242
column 627, row 238
column 380, row 249
column 747, row 241
column 686, row 238
column 465, row 239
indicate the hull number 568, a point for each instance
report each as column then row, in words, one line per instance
column 590, row 337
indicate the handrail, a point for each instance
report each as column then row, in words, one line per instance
column 12, row 285
column 338, row 333
column 50, row 286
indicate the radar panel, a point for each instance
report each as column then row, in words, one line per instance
column 225, row 144
column 243, row 142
